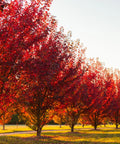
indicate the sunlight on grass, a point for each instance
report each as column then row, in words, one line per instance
column 55, row 127
column 14, row 128
column 75, row 137
column 24, row 135
column 81, row 136
column 108, row 135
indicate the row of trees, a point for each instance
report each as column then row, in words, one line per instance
column 93, row 99
column 44, row 73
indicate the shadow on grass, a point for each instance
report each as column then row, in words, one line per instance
column 104, row 136
column 46, row 140
column 89, row 138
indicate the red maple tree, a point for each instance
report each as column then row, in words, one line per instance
column 72, row 87
column 113, row 108
column 22, row 27
column 94, row 81
column 40, row 79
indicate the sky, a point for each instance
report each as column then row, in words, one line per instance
column 96, row 23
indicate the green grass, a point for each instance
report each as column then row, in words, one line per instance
column 104, row 135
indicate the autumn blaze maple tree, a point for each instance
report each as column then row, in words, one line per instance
column 33, row 55
column 9, row 56
column 6, row 117
column 94, row 82
column 99, row 90
column 22, row 27
column 113, row 108
column 71, row 87
column 36, row 55
column 43, row 77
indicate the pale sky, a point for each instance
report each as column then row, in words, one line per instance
column 96, row 23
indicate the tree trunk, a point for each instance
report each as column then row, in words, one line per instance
column 39, row 132
column 116, row 117
column 116, row 125
column 83, row 125
column 17, row 125
column 3, row 121
column 95, row 126
column 95, row 122
column 72, row 128
column 60, row 122
column 3, row 126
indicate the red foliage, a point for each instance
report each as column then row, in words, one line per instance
column 94, row 81
column 71, row 87
column 34, row 57
column 40, row 66
column 23, row 27
column 113, row 108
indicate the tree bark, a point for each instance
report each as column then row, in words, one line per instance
column 116, row 119
column 95, row 126
column 3, row 126
column 72, row 128
column 39, row 132
column 3, row 121
column 116, row 125
column 116, row 122
column 95, row 122
column 60, row 122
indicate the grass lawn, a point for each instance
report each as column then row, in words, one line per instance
column 14, row 128
column 107, row 135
